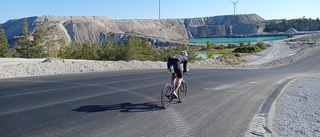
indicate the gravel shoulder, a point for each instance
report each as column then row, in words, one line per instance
column 297, row 110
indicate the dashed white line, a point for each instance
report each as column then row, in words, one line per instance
column 220, row 87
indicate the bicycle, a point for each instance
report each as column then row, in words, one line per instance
column 167, row 97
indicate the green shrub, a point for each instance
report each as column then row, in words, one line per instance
column 287, row 42
column 230, row 46
column 247, row 49
column 209, row 45
column 261, row 45
column 256, row 49
column 241, row 44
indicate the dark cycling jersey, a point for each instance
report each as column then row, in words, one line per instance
column 176, row 60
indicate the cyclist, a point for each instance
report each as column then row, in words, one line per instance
column 174, row 67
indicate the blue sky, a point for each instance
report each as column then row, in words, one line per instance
column 149, row 9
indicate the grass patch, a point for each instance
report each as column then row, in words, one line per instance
column 216, row 51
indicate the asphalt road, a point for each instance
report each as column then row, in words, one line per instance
column 220, row 102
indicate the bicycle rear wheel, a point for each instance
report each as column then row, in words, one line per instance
column 182, row 91
column 166, row 97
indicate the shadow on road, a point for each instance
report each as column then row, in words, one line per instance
column 122, row 107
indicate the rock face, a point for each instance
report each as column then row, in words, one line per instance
column 224, row 25
column 96, row 28
column 280, row 27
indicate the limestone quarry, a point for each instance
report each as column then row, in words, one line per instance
column 96, row 28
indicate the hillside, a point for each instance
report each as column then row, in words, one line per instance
column 96, row 28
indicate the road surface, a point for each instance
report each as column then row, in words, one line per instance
column 220, row 102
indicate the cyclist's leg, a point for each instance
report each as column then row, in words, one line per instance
column 180, row 81
column 179, row 73
column 178, row 84
column 171, row 62
column 173, row 83
column 173, row 79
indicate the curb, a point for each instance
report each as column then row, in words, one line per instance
column 261, row 123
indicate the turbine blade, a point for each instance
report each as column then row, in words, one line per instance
column 232, row 1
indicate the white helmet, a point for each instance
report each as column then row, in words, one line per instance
column 183, row 53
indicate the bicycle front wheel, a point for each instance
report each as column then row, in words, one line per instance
column 166, row 97
column 182, row 91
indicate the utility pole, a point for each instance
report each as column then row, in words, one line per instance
column 159, row 9
column 234, row 8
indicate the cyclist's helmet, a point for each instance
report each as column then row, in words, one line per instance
column 183, row 53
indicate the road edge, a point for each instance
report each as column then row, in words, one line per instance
column 262, row 122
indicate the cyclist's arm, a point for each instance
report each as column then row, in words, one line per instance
column 185, row 66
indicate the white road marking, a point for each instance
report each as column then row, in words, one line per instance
column 285, row 79
column 220, row 87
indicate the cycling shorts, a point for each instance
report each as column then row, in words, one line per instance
column 176, row 66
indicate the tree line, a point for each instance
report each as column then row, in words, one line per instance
column 4, row 46
column 300, row 20
column 43, row 43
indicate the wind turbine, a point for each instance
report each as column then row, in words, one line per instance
column 234, row 9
